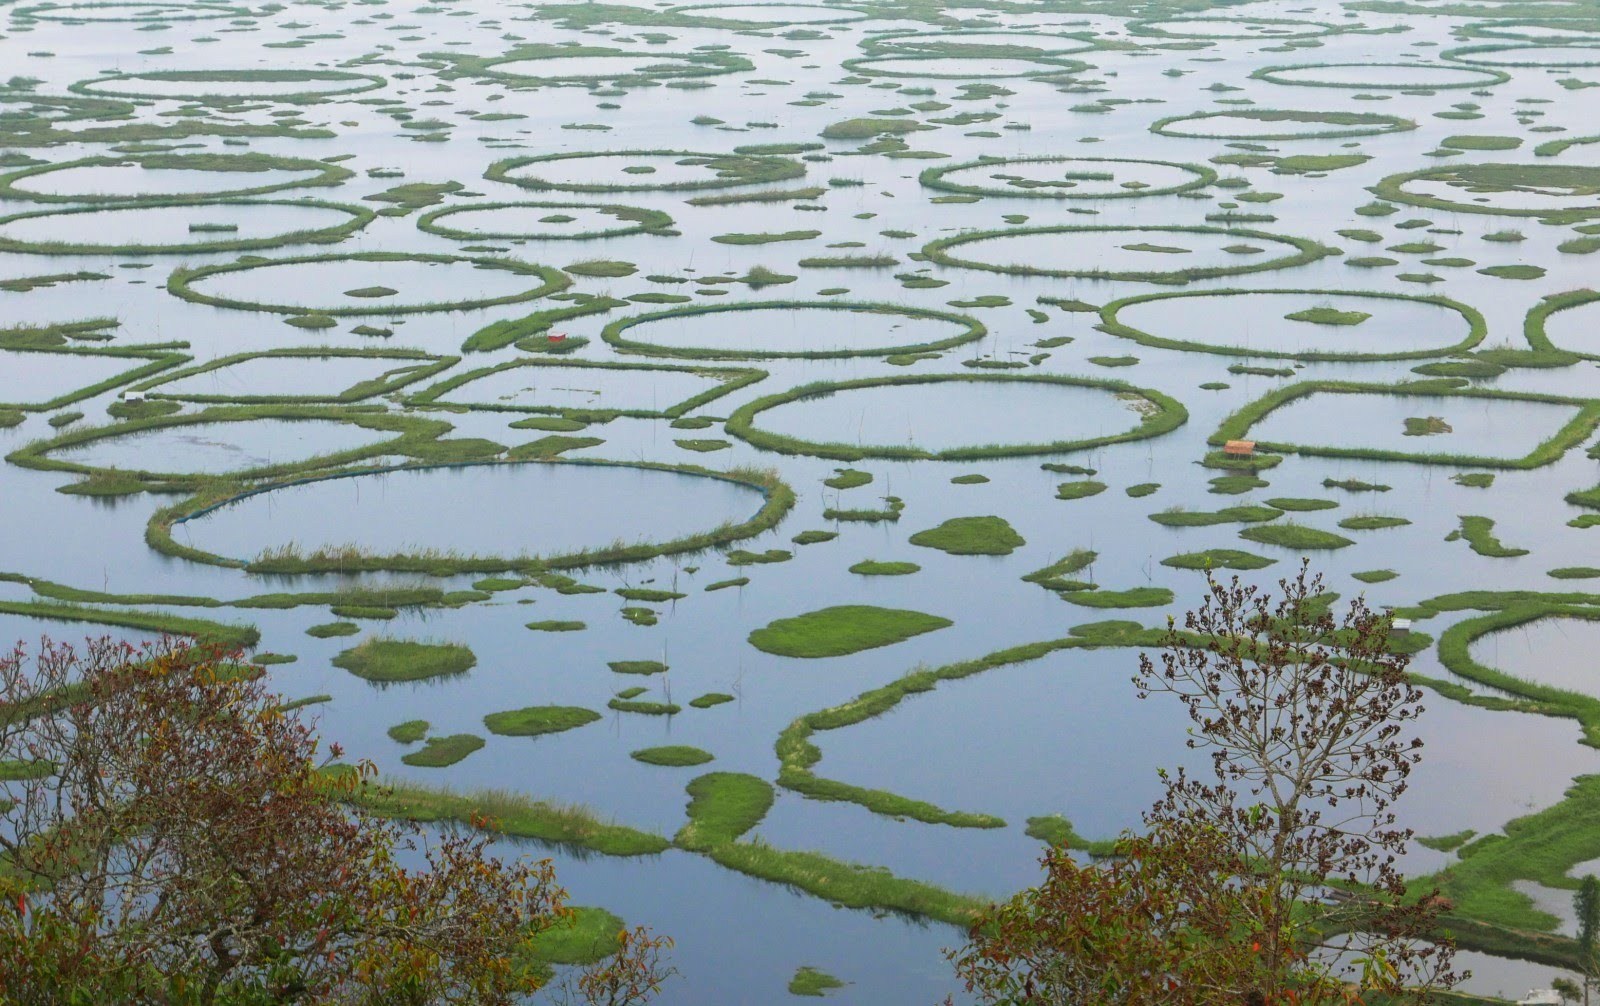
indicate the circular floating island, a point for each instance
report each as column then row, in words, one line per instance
column 950, row 417
column 150, row 178
column 1265, row 29
column 948, row 67
column 482, row 517
column 1278, row 124
column 230, row 85
column 1124, row 253
column 773, row 329
column 980, row 42
column 1382, row 76
column 566, row 64
column 656, row 170
column 363, row 278
column 537, row 221
column 181, row 227
column 1564, row 56
column 1567, row 191
column 771, row 14
column 130, row 11
column 1300, row 324
column 1063, row 177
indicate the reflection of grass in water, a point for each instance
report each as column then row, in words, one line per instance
column 533, row 721
column 385, row 659
column 842, row 630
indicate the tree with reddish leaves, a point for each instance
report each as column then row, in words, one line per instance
column 170, row 834
column 1273, row 880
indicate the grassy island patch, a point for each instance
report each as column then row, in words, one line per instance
column 672, row 755
column 382, row 659
column 842, row 630
column 535, row 720
column 971, row 536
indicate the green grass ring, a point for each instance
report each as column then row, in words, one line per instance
column 1477, row 325
column 1571, row 434
column 778, row 499
column 731, row 378
column 327, row 174
column 1465, row 54
column 949, row 43
column 613, row 333
column 735, row 170
column 360, row 217
column 156, row 360
column 1348, row 124
column 1584, row 178
column 1306, row 250
column 95, row 87
column 193, row 12
column 426, row 365
column 1534, row 325
column 694, row 65
column 408, row 430
column 1168, row 415
column 1272, row 75
column 639, row 221
column 706, row 12
column 179, row 284
column 1049, row 65
column 1316, row 29
column 934, row 178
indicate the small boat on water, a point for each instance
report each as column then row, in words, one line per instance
column 1541, row 997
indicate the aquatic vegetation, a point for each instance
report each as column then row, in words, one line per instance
column 842, row 630
column 810, row 981
column 322, row 174
column 614, row 333
column 1136, row 597
column 873, row 567
column 1218, row 558
column 971, row 536
column 534, row 721
column 673, row 755
column 1478, row 532
column 1295, row 536
column 384, row 660
column 442, row 752
column 409, row 732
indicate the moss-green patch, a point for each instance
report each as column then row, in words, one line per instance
column 810, row 981
column 722, row 807
column 872, row 567
column 848, row 478
column 558, row 625
column 638, row 666
column 672, row 755
column 703, row 446
column 1006, row 184
column 1218, row 558
column 988, row 535
column 842, row 630
column 1478, row 532
column 244, row 165
column 1079, row 490
column 383, row 659
column 409, row 732
column 441, row 752
column 1136, row 597
column 1375, row 575
column 585, row 936
column 507, row 814
column 722, row 171
column 969, row 480
column 1058, row 831
column 1300, row 504
column 744, row 557
column 532, row 721
column 711, row 699
column 331, row 629
column 1574, row 572
column 724, row 380
column 1179, row 517
column 1489, row 179
column 644, row 708
column 1513, row 271
column 1295, row 536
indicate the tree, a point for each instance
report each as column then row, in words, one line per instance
column 1586, row 905
column 1245, row 883
column 1567, row 989
column 169, row 835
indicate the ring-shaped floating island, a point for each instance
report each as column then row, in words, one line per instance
column 1271, row 28
column 839, row 317
column 1158, row 414
column 1535, row 29
column 399, row 367
column 25, row 113
column 140, row 11
column 727, row 170
column 407, row 434
column 1321, row 125
column 978, row 42
column 776, row 499
column 117, row 85
column 1071, row 184
column 1319, row 319
column 642, row 66
column 709, row 12
column 549, row 280
column 212, row 226
column 934, row 66
column 630, row 220
column 1536, row 326
column 1480, row 182
column 698, row 385
column 1488, row 55
column 243, row 165
column 1304, row 250
column 49, row 386
column 1307, row 74
column 1551, row 425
